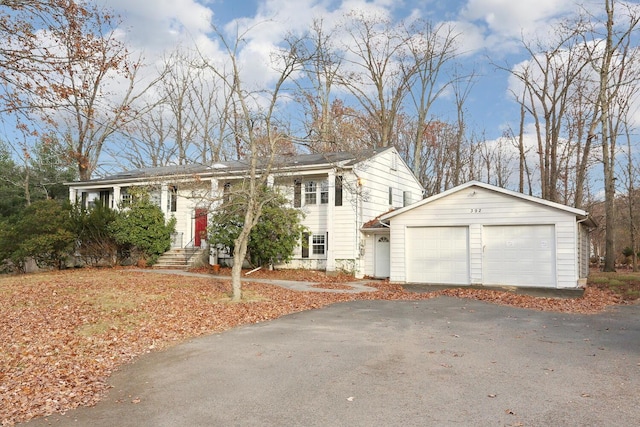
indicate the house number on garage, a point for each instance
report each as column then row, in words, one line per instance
column 475, row 210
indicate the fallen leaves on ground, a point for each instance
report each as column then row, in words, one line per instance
column 63, row 333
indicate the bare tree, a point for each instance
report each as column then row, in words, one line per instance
column 431, row 49
column 630, row 174
column 256, row 126
column 321, row 66
column 150, row 143
column 67, row 77
column 548, row 79
column 615, row 62
column 178, row 87
column 378, row 73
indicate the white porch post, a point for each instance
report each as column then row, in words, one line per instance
column 116, row 196
column 331, row 261
column 216, row 200
column 164, row 199
column 216, row 196
column 73, row 195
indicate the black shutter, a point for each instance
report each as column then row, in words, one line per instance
column 226, row 191
column 297, row 194
column 338, row 191
column 305, row 245
column 173, row 198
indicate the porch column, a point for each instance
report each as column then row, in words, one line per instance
column 116, row 196
column 73, row 195
column 331, row 261
column 164, row 199
column 216, row 195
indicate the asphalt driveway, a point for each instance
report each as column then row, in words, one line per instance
column 438, row 362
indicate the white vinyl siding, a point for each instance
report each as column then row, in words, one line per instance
column 377, row 177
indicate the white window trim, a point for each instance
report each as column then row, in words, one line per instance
column 322, row 244
column 310, row 191
column 318, row 190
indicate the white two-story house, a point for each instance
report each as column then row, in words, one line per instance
column 338, row 193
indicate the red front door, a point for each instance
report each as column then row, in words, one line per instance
column 201, row 227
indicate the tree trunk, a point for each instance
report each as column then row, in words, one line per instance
column 239, row 254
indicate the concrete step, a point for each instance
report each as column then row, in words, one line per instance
column 178, row 258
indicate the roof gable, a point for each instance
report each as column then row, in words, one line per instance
column 577, row 212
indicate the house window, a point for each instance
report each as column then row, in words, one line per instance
column 324, row 192
column 314, row 191
column 125, row 197
column 406, row 198
column 310, row 193
column 390, row 196
column 155, row 198
column 338, row 188
column 173, row 198
column 318, row 244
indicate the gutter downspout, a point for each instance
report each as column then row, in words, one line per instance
column 578, row 238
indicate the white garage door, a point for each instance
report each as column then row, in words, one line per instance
column 438, row 255
column 519, row 255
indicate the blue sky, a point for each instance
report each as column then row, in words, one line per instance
column 489, row 32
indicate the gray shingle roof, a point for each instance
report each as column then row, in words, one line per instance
column 345, row 159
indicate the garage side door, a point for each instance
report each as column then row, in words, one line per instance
column 519, row 255
column 438, row 255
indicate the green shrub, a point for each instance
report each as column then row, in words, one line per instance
column 274, row 237
column 141, row 227
column 95, row 243
column 41, row 232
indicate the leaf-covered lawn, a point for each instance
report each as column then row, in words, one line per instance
column 63, row 333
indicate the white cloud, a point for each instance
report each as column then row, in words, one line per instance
column 510, row 18
column 154, row 26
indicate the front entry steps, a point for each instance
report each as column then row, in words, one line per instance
column 181, row 258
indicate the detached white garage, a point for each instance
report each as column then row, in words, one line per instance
column 479, row 234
